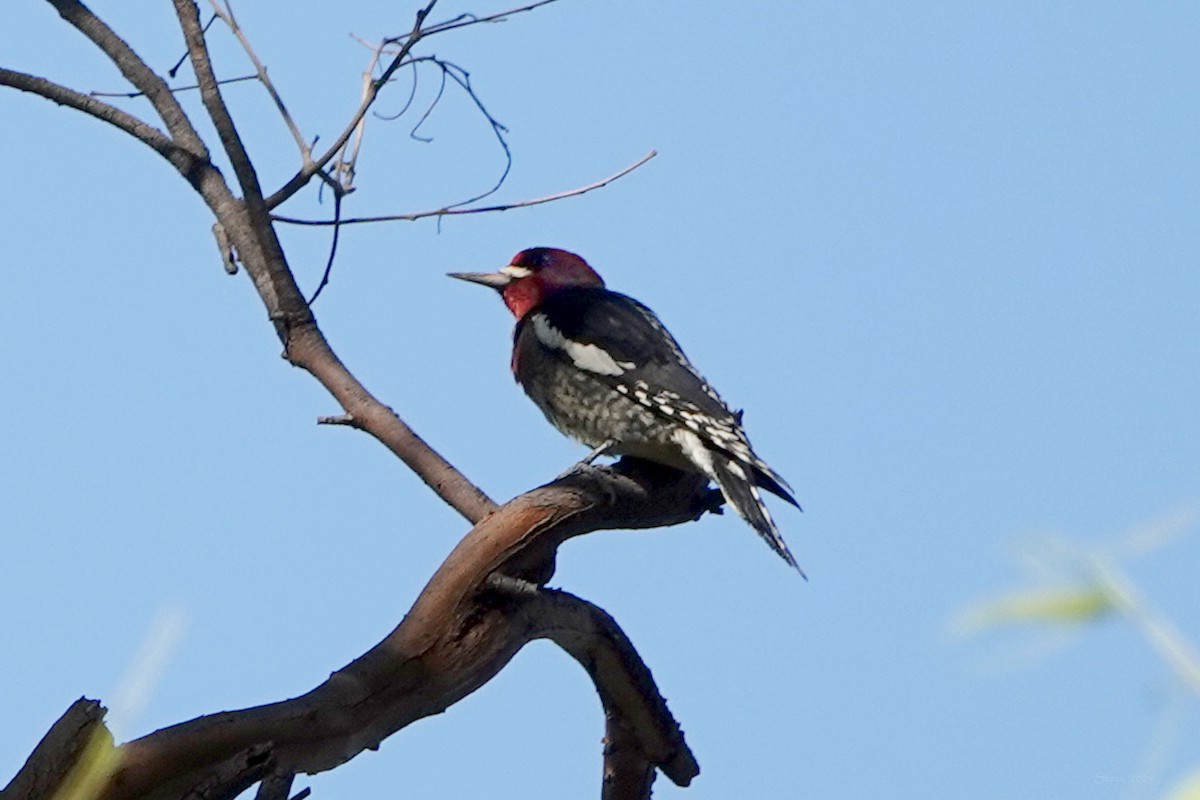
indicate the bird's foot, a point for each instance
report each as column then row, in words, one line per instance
column 586, row 461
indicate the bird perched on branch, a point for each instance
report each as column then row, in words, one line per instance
column 605, row 371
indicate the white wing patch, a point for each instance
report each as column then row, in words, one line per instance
column 695, row 451
column 590, row 357
column 725, row 432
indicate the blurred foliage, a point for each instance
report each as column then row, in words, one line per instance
column 1078, row 585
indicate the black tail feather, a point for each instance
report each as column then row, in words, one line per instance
column 742, row 493
column 775, row 485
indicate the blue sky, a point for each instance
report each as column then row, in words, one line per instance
column 945, row 255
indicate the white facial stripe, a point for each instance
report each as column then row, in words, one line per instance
column 589, row 357
column 513, row 271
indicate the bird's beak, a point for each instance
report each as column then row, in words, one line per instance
column 496, row 280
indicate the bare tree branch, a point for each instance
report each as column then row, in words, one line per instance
column 451, row 212
column 407, row 42
column 123, row 120
column 482, row 605
column 225, row 13
column 345, row 167
column 275, row 787
column 60, row 751
column 214, row 103
column 257, row 245
column 463, row 628
column 191, row 87
column 229, row 778
column 136, row 72
column 640, row 732
column 337, row 229
column 306, row 173
column 466, row 20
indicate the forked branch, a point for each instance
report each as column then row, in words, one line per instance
column 483, row 604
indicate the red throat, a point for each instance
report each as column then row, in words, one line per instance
column 522, row 295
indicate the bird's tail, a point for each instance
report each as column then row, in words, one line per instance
column 734, row 478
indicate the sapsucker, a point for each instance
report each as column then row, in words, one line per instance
column 605, row 371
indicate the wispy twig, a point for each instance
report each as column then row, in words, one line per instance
column 337, row 228
column 189, row 88
column 226, row 15
column 450, row 211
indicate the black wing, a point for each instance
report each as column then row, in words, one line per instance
column 632, row 351
column 634, row 337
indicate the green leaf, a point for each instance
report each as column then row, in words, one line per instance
column 1073, row 605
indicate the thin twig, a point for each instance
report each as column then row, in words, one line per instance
column 301, row 178
column 452, row 211
column 1163, row 636
column 337, row 213
column 340, row 419
column 412, row 94
column 406, row 42
column 188, row 88
column 453, row 72
column 463, row 79
column 183, row 57
column 465, row 20
column 343, row 171
column 437, row 98
column 226, row 15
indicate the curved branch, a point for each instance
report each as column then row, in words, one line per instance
column 463, row 629
column 640, row 732
column 450, row 212
column 465, row 626
column 136, row 72
column 88, row 104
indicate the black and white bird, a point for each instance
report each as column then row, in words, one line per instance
column 606, row 372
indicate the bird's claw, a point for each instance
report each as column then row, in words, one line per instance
column 586, row 462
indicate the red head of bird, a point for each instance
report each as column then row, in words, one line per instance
column 533, row 275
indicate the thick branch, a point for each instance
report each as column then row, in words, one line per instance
column 463, row 629
column 308, row 349
column 135, row 71
column 218, row 112
column 640, row 732
column 257, row 246
column 460, row 632
column 59, row 751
